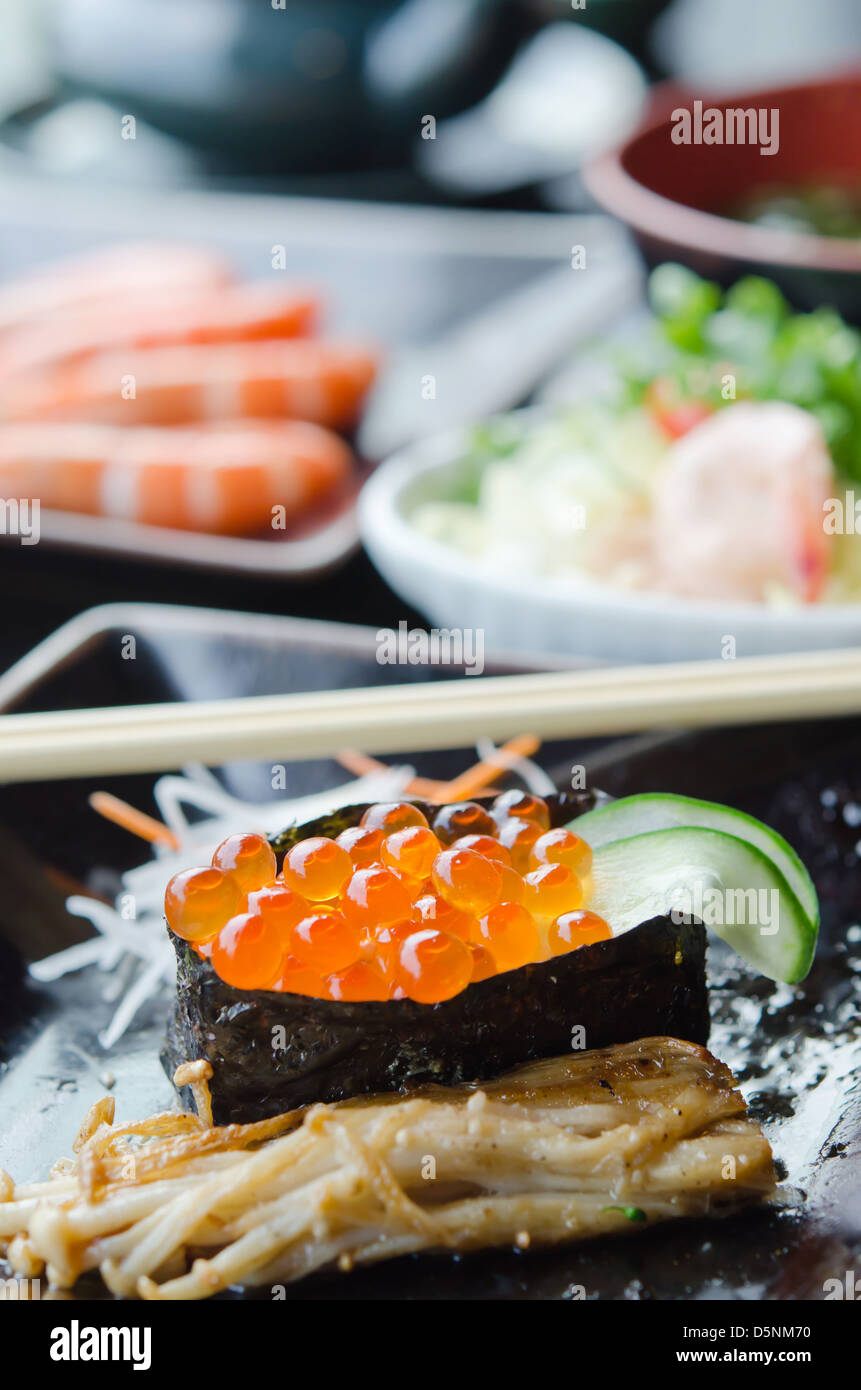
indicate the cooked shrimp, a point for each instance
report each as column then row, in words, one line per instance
column 209, row 314
column 224, row 479
column 296, row 379
column 739, row 507
column 126, row 270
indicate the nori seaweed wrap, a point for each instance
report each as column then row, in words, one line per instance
column 271, row 1052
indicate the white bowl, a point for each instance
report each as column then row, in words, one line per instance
column 572, row 616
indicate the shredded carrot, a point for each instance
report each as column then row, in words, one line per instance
column 133, row 820
column 360, row 765
column 474, row 780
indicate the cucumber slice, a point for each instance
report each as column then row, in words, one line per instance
column 636, row 815
column 728, row 883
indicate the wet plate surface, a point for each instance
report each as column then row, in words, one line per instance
column 796, row 1051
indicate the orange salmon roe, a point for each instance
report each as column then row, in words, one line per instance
column 518, row 837
column 390, row 816
column 552, row 890
column 486, row 845
column 295, row 977
column 523, row 806
column 248, row 951
column 411, row 851
column 434, row 911
column 462, row 818
column 386, row 943
column 198, row 902
column 326, row 941
column 362, row 843
column 250, row 858
column 279, row 905
column 562, row 847
column 575, row 929
column 391, row 909
column 513, row 889
column 467, row 880
column 509, row 933
column 375, row 896
column 483, row 965
column 361, row 980
column 433, row 966
column 318, row 868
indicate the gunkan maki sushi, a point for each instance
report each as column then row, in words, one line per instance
column 389, row 946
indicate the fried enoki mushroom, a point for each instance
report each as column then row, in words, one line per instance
column 594, row 1143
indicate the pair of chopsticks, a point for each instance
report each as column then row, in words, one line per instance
column 450, row 714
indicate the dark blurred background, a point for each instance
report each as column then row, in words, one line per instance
column 326, row 96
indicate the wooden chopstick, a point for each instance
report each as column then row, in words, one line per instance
column 446, row 714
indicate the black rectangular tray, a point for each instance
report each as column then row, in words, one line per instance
column 797, row 1051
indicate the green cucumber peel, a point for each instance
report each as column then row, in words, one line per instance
column 729, row 884
column 636, row 815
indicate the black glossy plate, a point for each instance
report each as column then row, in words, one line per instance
column 797, row 1052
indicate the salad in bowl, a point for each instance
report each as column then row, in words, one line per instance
column 720, row 466
column 706, row 488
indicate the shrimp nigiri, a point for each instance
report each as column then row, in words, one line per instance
column 200, row 314
column 299, row 379
column 739, row 506
column 224, row 479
